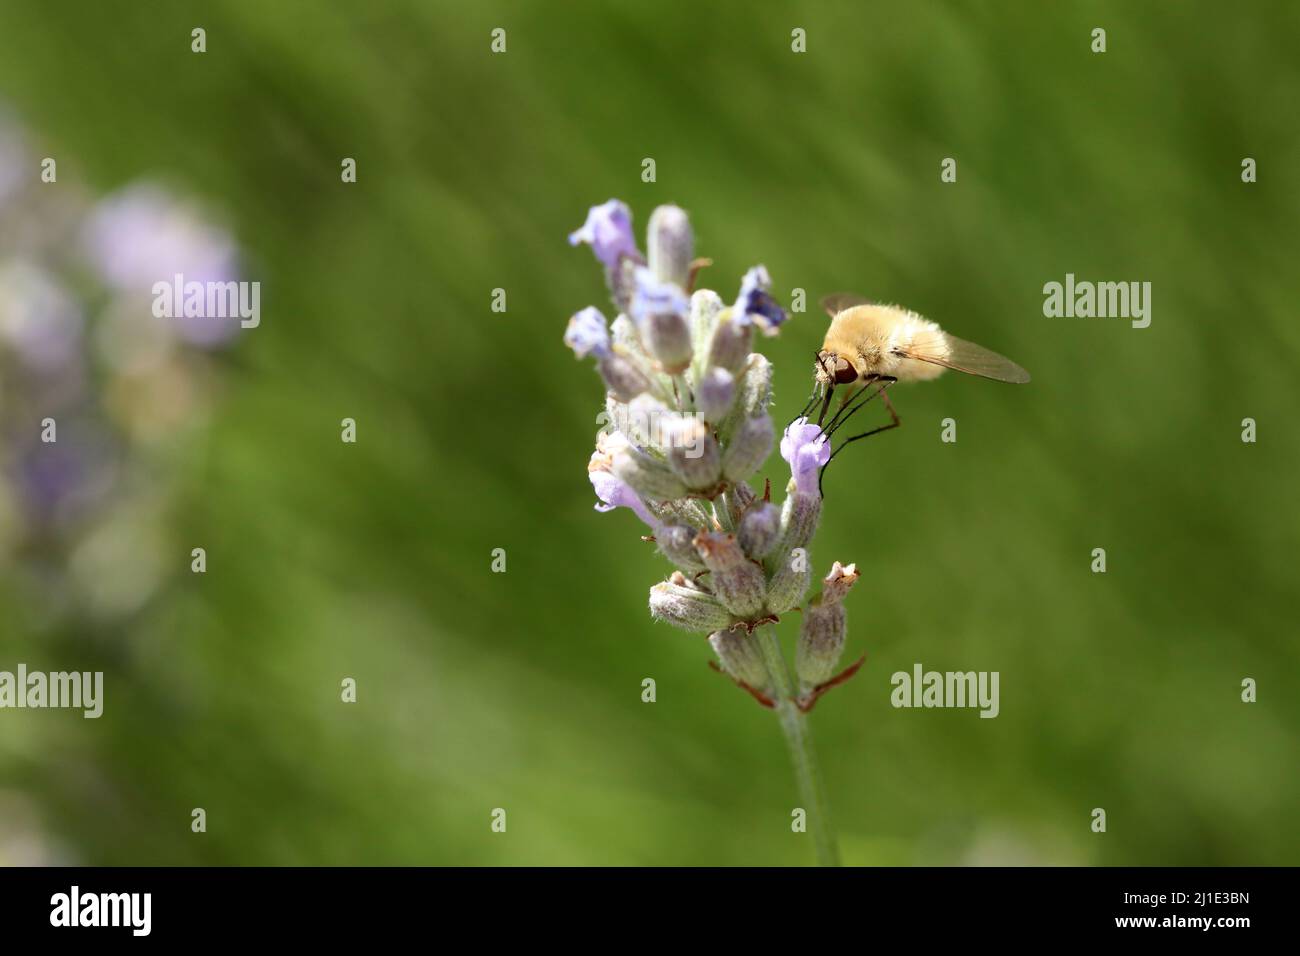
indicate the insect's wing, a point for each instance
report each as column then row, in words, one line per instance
column 972, row 359
column 837, row 302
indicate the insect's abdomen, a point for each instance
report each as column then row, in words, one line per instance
column 919, row 336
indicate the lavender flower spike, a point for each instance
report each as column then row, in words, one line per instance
column 806, row 449
column 689, row 410
column 608, row 230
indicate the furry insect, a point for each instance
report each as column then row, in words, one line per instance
column 869, row 347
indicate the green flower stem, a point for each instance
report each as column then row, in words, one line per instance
column 794, row 724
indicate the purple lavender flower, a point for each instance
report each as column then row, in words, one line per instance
column 59, row 481
column 142, row 235
column 806, row 449
column 653, row 297
column 612, row 491
column 756, row 304
column 588, row 333
column 608, row 230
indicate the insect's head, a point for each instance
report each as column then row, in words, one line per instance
column 833, row 369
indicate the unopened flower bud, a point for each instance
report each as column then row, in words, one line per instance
column 740, row 657
column 759, row 529
column 790, row 578
column 799, row 516
column 647, row 476
column 788, row 563
column 669, row 340
column 659, row 310
column 749, row 448
column 687, row 511
column 693, row 453
column 706, row 306
column 737, row 581
column 730, row 344
column 627, row 339
column 753, row 396
column 755, row 389
column 715, row 394
column 641, row 420
column 824, row 626
column 736, row 499
column 670, row 245
column 622, row 376
column 680, row 603
column 676, row 542
column 621, row 279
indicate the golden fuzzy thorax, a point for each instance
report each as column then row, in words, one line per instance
column 870, row 336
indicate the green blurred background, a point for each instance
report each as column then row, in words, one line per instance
column 522, row 690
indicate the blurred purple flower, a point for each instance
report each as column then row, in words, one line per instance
column 39, row 318
column 608, row 230
column 806, row 449
column 13, row 155
column 60, row 480
column 142, row 235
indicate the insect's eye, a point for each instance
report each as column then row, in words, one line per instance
column 845, row 373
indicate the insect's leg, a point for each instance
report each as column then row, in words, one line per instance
column 841, row 415
column 889, row 406
column 894, row 423
column 875, row 431
column 852, row 402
